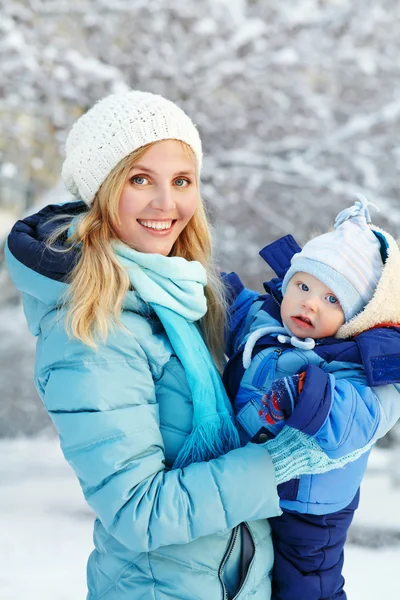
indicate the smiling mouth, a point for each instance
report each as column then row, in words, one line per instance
column 302, row 321
column 159, row 227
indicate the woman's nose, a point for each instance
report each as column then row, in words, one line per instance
column 164, row 199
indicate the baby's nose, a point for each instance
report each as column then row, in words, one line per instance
column 311, row 303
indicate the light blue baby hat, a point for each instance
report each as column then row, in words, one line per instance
column 347, row 260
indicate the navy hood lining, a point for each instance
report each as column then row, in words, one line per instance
column 27, row 241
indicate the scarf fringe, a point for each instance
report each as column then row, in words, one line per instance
column 209, row 439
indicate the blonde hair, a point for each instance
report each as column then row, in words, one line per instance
column 99, row 283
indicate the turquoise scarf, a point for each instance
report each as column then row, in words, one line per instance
column 174, row 288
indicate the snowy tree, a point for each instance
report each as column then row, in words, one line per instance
column 297, row 102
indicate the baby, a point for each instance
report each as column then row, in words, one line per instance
column 310, row 362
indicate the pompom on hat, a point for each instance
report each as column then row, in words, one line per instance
column 115, row 127
column 348, row 260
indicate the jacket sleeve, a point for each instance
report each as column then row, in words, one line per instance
column 107, row 416
column 344, row 414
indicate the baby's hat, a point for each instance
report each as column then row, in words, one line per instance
column 347, row 260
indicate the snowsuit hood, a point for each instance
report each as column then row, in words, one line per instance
column 384, row 307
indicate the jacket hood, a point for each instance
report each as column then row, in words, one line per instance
column 41, row 273
column 384, row 307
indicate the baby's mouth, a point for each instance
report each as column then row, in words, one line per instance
column 302, row 321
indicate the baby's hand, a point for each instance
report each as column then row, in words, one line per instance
column 279, row 403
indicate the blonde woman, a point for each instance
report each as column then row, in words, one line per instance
column 120, row 289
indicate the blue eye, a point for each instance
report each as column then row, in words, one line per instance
column 303, row 287
column 332, row 299
column 139, row 180
column 180, row 182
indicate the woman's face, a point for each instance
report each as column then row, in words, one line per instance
column 159, row 198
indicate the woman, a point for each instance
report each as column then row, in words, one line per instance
column 123, row 297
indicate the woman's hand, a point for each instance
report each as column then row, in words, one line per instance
column 295, row 453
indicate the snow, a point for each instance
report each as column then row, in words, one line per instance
column 382, row 479
column 47, row 527
column 7, row 220
column 371, row 574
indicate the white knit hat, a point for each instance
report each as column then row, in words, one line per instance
column 348, row 260
column 112, row 129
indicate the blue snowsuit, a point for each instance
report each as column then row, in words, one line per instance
column 340, row 406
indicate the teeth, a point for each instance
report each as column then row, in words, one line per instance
column 156, row 224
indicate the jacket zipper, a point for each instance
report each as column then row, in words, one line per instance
column 276, row 299
column 228, row 552
column 259, row 376
column 244, row 576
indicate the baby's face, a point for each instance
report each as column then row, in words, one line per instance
column 310, row 309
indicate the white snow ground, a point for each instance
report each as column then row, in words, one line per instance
column 46, row 527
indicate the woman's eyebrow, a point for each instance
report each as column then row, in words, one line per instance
column 149, row 170
column 191, row 172
column 143, row 168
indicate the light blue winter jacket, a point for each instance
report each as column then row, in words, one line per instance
column 122, row 414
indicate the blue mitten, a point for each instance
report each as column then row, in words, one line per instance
column 279, row 403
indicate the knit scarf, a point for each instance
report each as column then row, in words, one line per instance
column 174, row 288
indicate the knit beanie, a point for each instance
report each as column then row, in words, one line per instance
column 347, row 260
column 112, row 129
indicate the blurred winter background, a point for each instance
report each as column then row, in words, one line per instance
column 298, row 105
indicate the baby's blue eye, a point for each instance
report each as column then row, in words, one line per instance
column 304, row 287
column 332, row 299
